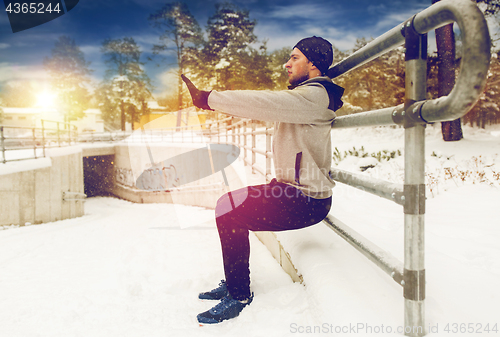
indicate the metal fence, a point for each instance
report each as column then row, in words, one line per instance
column 413, row 115
column 31, row 142
column 249, row 135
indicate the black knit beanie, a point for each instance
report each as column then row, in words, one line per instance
column 318, row 51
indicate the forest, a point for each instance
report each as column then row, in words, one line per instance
column 227, row 55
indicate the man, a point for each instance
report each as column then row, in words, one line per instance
column 300, row 195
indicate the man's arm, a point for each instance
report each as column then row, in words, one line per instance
column 306, row 104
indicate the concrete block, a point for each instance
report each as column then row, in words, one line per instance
column 42, row 195
column 288, row 267
column 27, row 197
column 9, row 208
column 10, row 182
column 80, row 211
column 72, row 182
column 98, row 151
column 56, row 194
column 271, row 242
column 65, row 185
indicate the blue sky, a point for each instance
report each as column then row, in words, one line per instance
column 282, row 23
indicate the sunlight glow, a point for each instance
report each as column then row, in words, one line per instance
column 46, row 99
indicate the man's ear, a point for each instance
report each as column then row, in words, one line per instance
column 313, row 68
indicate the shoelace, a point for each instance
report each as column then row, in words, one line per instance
column 222, row 284
column 222, row 305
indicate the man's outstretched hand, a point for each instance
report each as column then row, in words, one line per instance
column 199, row 97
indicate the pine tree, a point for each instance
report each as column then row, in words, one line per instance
column 126, row 88
column 487, row 109
column 491, row 8
column 228, row 53
column 278, row 59
column 69, row 73
column 182, row 34
column 375, row 85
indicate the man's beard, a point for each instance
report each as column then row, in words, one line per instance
column 298, row 80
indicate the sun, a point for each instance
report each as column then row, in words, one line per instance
column 46, row 100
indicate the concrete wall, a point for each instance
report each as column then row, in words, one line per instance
column 32, row 191
column 131, row 160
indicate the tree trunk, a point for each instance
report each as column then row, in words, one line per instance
column 445, row 41
column 122, row 110
column 179, row 103
column 132, row 116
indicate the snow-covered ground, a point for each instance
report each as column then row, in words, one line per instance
column 129, row 269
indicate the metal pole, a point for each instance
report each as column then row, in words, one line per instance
column 414, row 186
column 218, row 130
column 268, row 152
column 34, row 141
column 253, row 147
column 226, row 140
column 245, row 151
column 240, row 128
column 58, row 135
column 2, row 139
column 43, row 138
column 385, row 260
column 233, row 133
column 381, row 188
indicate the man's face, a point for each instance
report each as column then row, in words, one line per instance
column 298, row 67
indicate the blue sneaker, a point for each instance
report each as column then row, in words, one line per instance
column 226, row 309
column 215, row 294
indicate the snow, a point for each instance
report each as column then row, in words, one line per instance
column 129, row 269
column 222, row 64
column 63, row 151
column 34, row 164
column 25, row 165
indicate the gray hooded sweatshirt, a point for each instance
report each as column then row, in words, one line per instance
column 303, row 118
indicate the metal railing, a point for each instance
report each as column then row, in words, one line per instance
column 34, row 140
column 244, row 133
column 414, row 114
column 106, row 136
column 240, row 132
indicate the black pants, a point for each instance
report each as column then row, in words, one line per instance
column 269, row 207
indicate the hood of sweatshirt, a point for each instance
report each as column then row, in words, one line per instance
column 334, row 91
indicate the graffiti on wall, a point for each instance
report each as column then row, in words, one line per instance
column 155, row 178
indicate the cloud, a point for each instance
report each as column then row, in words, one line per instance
column 168, row 82
column 12, row 74
column 302, row 10
column 91, row 50
column 278, row 37
column 389, row 20
column 4, row 45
